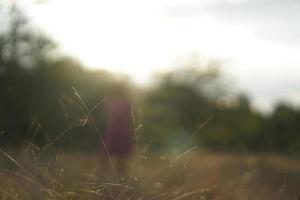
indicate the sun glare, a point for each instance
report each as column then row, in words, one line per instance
column 131, row 36
column 139, row 38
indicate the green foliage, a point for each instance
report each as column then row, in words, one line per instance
column 176, row 105
column 37, row 102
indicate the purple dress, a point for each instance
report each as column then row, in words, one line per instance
column 118, row 135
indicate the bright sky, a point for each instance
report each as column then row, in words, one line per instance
column 258, row 40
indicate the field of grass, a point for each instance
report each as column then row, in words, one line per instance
column 190, row 175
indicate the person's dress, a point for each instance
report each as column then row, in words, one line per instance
column 118, row 135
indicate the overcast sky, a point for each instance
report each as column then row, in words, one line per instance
column 257, row 40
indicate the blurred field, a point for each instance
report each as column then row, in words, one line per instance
column 191, row 175
column 55, row 112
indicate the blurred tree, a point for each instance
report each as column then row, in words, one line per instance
column 282, row 129
column 236, row 127
column 179, row 102
column 21, row 51
column 36, row 86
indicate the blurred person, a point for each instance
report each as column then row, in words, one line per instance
column 118, row 136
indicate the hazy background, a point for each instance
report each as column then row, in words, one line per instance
column 205, row 95
column 257, row 41
column 183, row 63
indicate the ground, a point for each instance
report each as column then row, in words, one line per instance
column 191, row 175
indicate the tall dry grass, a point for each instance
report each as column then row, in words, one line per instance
column 45, row 173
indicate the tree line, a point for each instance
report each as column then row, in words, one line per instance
column 185, row 106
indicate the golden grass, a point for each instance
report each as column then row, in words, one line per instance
column 195, row 175
column 33, row 174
